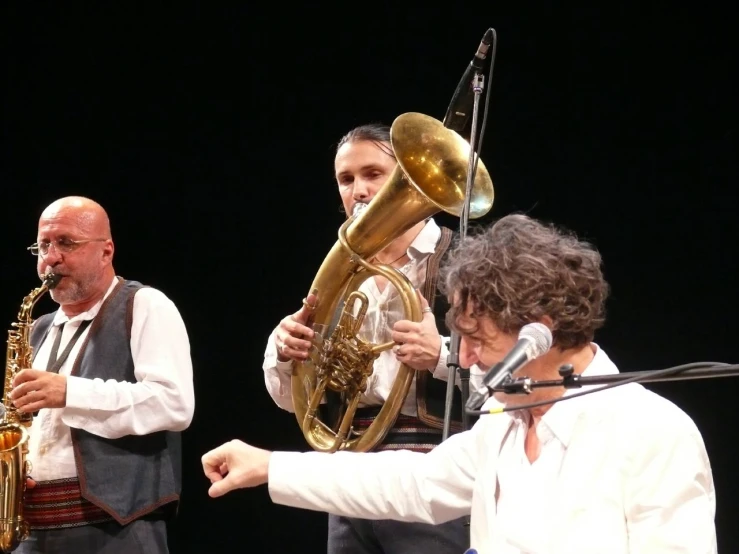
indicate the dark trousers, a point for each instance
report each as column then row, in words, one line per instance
column 138, row 537
column 363, row 536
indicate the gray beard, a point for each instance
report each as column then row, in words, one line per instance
column 75, row 291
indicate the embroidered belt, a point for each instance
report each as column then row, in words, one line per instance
column 408, row 432
column 57, row 504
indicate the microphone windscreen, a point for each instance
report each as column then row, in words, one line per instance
column 540, row 337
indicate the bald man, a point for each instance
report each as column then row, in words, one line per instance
column 111, row 386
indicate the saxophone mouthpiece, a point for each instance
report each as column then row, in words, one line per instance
column 52, row 279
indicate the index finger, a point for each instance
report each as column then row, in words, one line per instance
column 406, row 326
column 23, row 376
column 309, row 304
column 20, row 390
column 213, row 475
column 213, row 459
column 422, row 298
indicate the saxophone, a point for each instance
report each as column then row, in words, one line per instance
column 14, row 468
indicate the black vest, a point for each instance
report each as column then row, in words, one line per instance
column 131, row 476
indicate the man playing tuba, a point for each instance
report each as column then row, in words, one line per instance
column 364, row 160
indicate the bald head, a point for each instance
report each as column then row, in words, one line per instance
column 87, row 214
column 75, row 243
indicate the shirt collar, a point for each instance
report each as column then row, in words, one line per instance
column 562, row 416
column 425, row 242
column 60, row 317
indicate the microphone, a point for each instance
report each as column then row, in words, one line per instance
column 534, row 340
column 460, row 107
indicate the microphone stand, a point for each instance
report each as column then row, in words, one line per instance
column 688, row 372
column 453, row 358
column 685, row 372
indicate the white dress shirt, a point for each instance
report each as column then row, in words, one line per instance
column 384, row 309
column 624, row 471
column 161, row 399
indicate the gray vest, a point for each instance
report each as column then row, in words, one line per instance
column 131, row 476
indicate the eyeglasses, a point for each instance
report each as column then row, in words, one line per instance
column 62, row 245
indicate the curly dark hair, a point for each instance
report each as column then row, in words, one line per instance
column 519, row 270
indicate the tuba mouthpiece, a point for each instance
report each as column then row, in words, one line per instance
column 358, row 208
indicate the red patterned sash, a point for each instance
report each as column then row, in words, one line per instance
column 57, row 504
column 408, row 433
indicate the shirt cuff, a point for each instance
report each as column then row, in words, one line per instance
column 80, row 393
column 441, row 371
column 284, row 367
column 272, row 362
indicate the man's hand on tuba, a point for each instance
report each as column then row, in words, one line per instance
column 292, row 337
column 418, row 345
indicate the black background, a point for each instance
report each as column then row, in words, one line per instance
column 207, row 131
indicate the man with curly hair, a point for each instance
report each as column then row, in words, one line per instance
column 621, row 470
